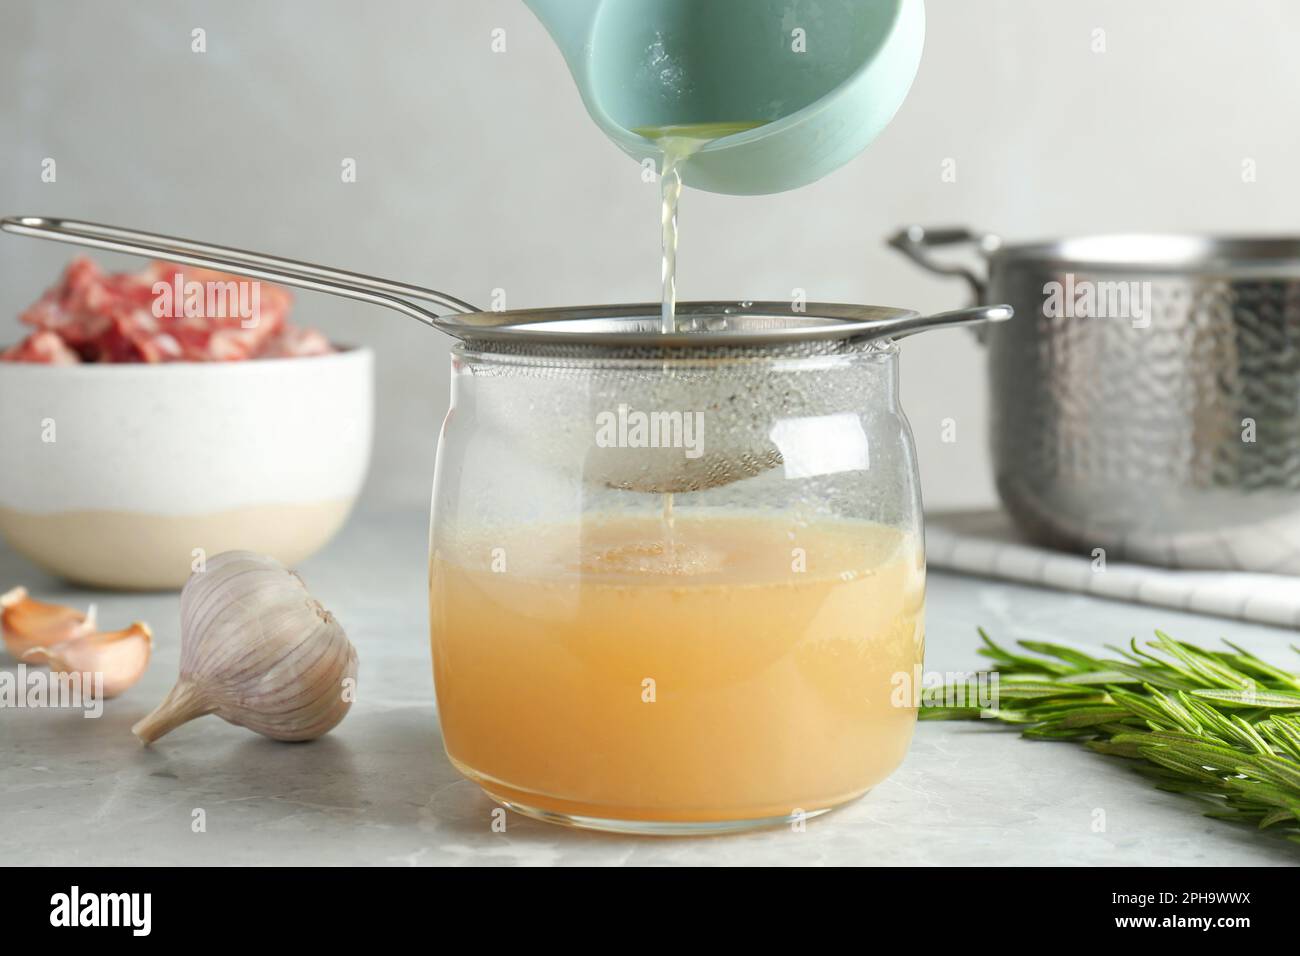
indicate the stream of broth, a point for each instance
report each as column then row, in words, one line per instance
column 677, row 144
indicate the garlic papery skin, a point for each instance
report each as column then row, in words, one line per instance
column 258, row 651
column 120, row 657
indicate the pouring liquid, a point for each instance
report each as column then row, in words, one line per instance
column 677, row 145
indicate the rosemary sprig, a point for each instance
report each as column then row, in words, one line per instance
column 1222, row 726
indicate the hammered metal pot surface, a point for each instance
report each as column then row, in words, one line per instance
column 1172, row 438
column 1177, row 443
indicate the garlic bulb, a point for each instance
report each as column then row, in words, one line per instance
column 258, row 651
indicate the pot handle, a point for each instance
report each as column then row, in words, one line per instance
column 916, row 242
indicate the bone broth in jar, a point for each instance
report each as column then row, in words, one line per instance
column 676, row 587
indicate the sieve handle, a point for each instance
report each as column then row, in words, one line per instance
column 976, row 315
column 255, row 265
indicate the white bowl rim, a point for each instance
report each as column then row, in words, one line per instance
column 342, row 353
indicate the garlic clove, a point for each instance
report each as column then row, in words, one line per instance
column 28, row 624
column 120, row 656
column 258, row 651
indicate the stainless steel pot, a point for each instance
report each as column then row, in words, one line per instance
column 1146, row 401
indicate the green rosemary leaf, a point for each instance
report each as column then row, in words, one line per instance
column 1090, row 716
column 1162, row 736
column 1228, row 760
column 1283, row 733
column 1139, row 706
column 1246, row 661
column 1121, row 727
column 1219, row 724
column 1158, row 677
column 1241, row 651
column 1031, row 689
column 1251, row 736
column 1176, row 711
column 1114, row 749
column 1283, row 772
column 1254, row 793
column 1025, row 677
column 1101, row 677
column 1277, row 816
column 1055, row 706
column 1164, row 665
column 1073, row 657
column 1173, row 760
column 1010, row 716
column 1268, row 700
column 948, row 713
column 1008, row 660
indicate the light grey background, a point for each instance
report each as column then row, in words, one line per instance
column 480, row 170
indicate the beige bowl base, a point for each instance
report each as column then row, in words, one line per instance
column 125, row 550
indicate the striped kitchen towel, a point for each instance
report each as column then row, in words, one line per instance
column 984, row 543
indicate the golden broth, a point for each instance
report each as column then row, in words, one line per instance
column 738, row 669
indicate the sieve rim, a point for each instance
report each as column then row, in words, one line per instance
column 708, row 325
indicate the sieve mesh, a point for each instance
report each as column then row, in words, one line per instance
column 549, row 397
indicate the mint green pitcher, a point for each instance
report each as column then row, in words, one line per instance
column 824, row 76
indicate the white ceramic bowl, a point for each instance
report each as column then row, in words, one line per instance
column 123, row 476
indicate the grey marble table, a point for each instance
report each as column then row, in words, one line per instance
column 379, row 790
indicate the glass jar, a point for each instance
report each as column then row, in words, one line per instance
column 676, row 589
